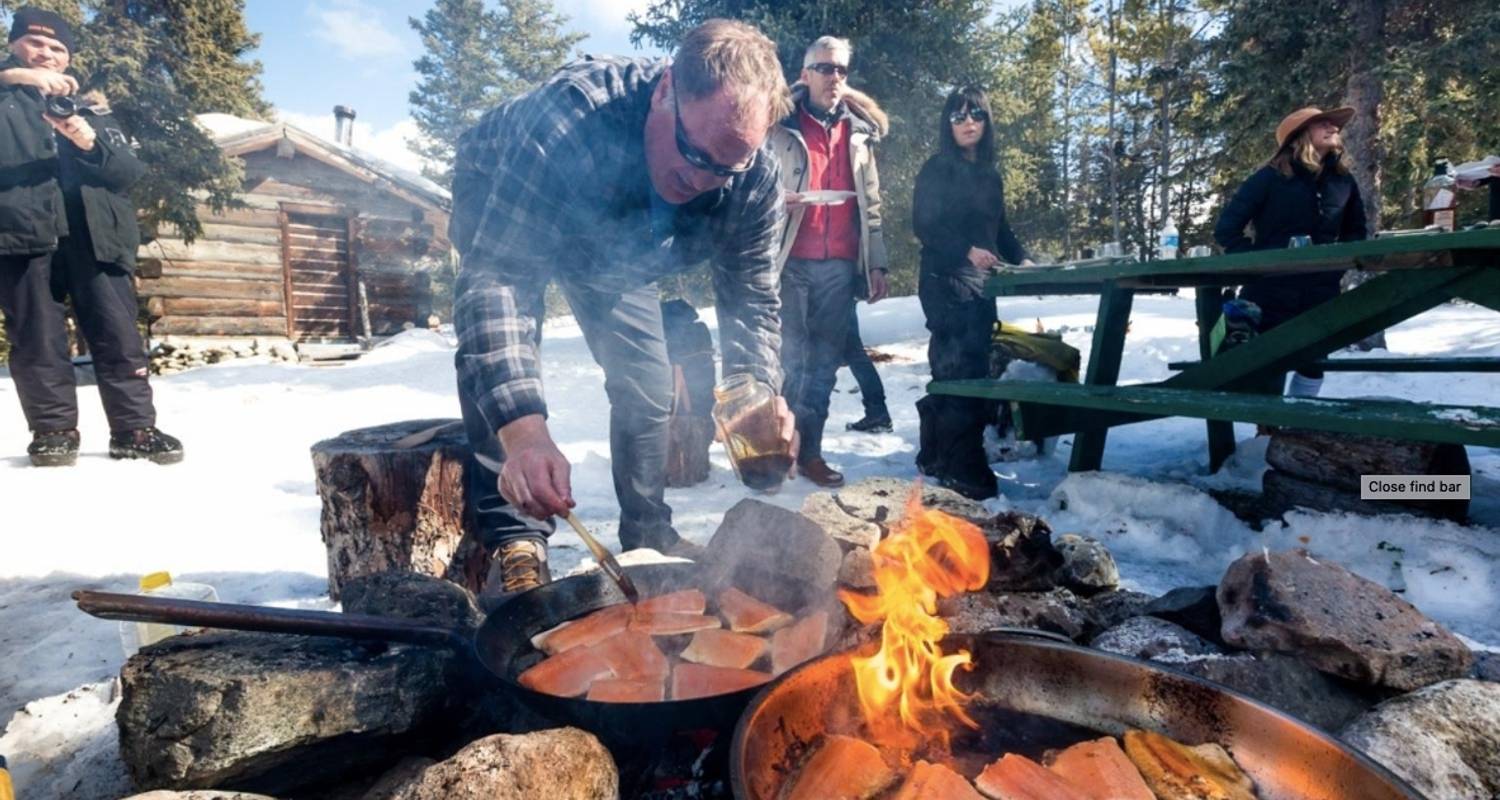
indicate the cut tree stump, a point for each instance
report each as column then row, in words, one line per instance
column 393, row 499
column 1322, row 470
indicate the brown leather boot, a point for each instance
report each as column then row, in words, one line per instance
column 515, row 567
column 818, row 471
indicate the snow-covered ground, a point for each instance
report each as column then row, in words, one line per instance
column 241, row 513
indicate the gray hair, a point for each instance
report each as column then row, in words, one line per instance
column 832, row 44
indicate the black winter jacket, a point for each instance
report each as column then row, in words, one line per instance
column 959, row 204
column 33, row 163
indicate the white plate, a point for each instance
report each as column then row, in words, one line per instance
column 826, row 197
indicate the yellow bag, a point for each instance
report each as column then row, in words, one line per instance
column 1047, row 349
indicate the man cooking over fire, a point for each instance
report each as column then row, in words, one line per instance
column 612, row 174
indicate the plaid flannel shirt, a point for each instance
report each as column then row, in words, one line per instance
column 552, row 184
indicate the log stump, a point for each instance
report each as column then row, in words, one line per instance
column 1322, row 470
column 393, row 499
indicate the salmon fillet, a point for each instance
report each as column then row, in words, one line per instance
column 841, row 768
column 691, row 680
column 745, row 614
column 688, row 601
column 567, row 674
column 935, row 782
column 797, row 643
column 619, row 690
column 1016, row 777
column 668, row 623
column 1175, row 771
column 633, row 656
column 1101, row 770
column 719, row 648
column 584, row 631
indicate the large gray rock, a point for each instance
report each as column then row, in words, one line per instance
column 1152, row 638
column 1444, row 739
column 202, row 794
column 1336, row 621
column 882, row 501
column 1022, row 558
column 773, row 554
column 1058, row 611
column 849, row 531
column 557, row 763
column 1486, row 666
column 1284, row 683
column 1110, row 608
column 1087, row 565
column 1193, row 607
column 858, row 569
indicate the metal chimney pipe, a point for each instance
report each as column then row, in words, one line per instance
column 343, row 125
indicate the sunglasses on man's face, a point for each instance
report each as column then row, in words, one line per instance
column 696, row 157
column 827, row 68
column 977, row 114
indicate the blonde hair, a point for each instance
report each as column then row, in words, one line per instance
column 1300, row 150
column 726, row 54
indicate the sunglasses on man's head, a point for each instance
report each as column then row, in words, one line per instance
column 696, row 157
column 827, row 68
column 976, row 114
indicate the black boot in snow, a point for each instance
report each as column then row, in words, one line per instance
column 148, row 443
column 53, row 448
column 879, row 422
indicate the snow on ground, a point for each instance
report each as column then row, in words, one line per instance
column 241, row 513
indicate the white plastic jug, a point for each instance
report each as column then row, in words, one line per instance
column 135, row 635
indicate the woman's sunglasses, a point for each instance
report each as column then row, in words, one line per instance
column 977, row 114
column 826, row 68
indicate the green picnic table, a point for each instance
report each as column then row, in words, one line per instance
column 1416, row 273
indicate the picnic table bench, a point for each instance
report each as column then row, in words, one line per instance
column 1416, row 273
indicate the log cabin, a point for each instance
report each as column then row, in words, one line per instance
column 327, row 245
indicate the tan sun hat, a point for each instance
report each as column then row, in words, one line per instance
column 1302, row 117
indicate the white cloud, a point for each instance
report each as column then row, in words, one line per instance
column 387, row 144
column 355, row 30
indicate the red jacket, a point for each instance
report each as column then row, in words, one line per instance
column 828, row 231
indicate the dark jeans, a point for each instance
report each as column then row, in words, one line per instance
column 32, row 291
column 624, row 334
column 816, row 299
column 962, row 322
column 1282, row 299
column 871, row 390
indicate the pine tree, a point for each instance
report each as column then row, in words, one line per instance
column 159, row 63
column 476, row 58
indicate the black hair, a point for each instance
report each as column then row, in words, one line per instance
column 967, row 97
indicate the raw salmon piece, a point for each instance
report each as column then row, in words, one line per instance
column 668, row 623
column 584, row 631
column 691, row 680
column 793, row 645
column 718, row 648
column 619, row 690
column 567, row 674
column 748, row 615
column 633, row 656
column 935, row 782
column 841, row 768
column 1101, row 770
column 1016, row 777
column 688, row 601
column 1175, row 771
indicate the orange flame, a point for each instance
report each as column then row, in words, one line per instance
column 930, row 555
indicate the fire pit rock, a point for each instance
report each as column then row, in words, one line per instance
column 1110, row 608
column 1022, row 558
column 1154, row 639
column 1282, row 682
column 562, row 762
column 204, row 794
column 1193, row 607
column 760, row 545
column 882, row 501
column 1486, row 666
column 851, row 532
column 1058, row 611
column 1087, row 565
column 1444, row 739
column 1336, row 621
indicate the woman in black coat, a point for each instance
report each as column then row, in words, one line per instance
column 959, row 216
column 1304, row 190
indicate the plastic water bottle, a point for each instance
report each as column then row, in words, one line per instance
column 135, row 635
column 1167, row 241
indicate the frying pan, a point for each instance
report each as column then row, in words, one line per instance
column 501, row 645
column 1025, row 674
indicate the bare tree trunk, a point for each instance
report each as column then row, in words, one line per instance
column 1365, row 91
column 1114, row 135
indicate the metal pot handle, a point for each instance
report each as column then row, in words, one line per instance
column 231, row 616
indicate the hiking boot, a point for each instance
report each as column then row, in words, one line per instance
column 975, row 489
column 148, row 443
column 53, row 448
column 871, row 423
column 516, row 566
column 818, row 471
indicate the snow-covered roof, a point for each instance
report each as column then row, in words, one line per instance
column 238, row 135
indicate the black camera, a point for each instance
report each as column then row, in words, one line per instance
column 63, row 106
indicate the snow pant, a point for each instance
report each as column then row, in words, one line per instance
column 816, row 299
column 962, row 323
column 624, row 335
column 33, row 289
column 871, row 390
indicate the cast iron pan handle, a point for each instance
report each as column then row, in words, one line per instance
column 141, row 608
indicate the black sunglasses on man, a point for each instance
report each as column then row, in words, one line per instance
column 827, row 68
column 695, row 156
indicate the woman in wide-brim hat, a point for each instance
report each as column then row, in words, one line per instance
column 1305, row 189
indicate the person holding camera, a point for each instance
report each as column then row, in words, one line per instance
column 68, row 230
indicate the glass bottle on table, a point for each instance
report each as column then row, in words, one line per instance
column 1440, row 198
column 745, row 415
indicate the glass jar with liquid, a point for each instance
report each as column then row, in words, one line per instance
column 745, row 415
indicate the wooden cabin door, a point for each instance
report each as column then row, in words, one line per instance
column 321, row 299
